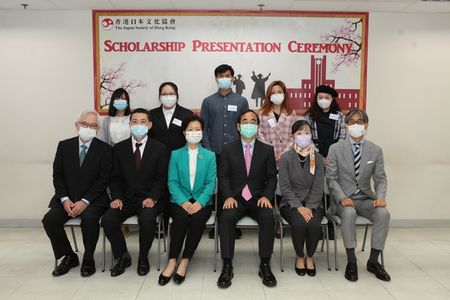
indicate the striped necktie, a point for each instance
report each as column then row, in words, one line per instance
column 357, row 162
column 82, row 154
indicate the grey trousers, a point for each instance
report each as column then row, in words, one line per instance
column 380, row 217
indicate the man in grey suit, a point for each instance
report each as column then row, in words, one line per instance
column 352, row 163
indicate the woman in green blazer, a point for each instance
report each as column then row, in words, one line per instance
column 192, row 180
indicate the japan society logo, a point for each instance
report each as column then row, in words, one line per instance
column 107, row 24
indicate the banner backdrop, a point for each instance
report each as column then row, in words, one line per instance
column 138, row 50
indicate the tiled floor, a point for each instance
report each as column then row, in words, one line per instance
column 417, row 259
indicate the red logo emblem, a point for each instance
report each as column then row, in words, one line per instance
column 107, row 24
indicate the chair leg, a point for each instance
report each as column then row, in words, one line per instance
column 74, row 238
column 159, row 243
column 328, row 248
column 382, row 258
column 281, row 246
column 165, row 234
column 324, row 229
column 336, row 263
column 216, row 244
column 104, row 252
column 365, row 236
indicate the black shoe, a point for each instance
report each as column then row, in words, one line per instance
column 211, row 234
column 178, row 279
column 237, row 234
column 300, row 271
column 378, row 270
column 351, row 272
column 225, row 277
column 143, row 266
column 87, row 268
column 68, row 262
column 311, row 272
column 163, row 280
column 267, row 276
column 122, row 263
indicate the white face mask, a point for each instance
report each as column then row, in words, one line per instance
column 86, row 134
column 277, row 99
column 194, row 137
column 324, row 103
column 168, row 100
column 356, row 131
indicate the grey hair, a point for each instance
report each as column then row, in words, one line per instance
column 360, row 112
column 85, row 113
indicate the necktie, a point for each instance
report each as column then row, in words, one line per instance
column 137, row 155
column 248, row 160
column 82, row 154
column 357, row 162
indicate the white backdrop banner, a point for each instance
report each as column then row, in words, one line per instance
column 138, row 50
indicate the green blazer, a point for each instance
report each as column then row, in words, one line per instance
column 205, row 176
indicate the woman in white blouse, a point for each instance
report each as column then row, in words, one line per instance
column 116, row 126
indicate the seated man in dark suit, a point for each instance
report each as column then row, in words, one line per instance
column 138, row 179
column 247, row 177
column 80, row 176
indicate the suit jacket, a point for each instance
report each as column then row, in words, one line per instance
column 262, row 178
column 88, row 181
column 128, row 184
column 340, row 171
column 279, row 136
column 205, row 176
column 297, row 184
column 173, row 136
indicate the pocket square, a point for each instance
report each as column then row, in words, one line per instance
column 370, row 162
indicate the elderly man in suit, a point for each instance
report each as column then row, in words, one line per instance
column 81, row 172
column 352, row 164
column 138, row 179
column 247, row 177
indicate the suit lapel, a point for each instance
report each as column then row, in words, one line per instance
column 129, row 155
column 365, row 154
column 89, row 154
column 175, row 115
column 161, row 118
column 348, row 156
column 75, row 154
column 200, row 168
column 255, row 156
column 240, row 156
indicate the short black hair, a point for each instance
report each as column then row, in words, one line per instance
column 222, row 69
column 112, row 111
column 141, row 111
column 299, row 124
column 247, row 111
column 190, row 119
column 173, row 85
column 360, row 112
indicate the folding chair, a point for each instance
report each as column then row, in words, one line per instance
column 133, row 221
column 72, row 223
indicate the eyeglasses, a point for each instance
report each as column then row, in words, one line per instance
column 85, row 125
column 353, row 122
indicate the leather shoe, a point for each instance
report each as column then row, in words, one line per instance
column 351, row 272
column 299, row 271
column 311, row 272
column 267, row 276
column 178, row 279
column 163, row 280
column 225, row 277
column 66, row 264
column 143, row 266
column 122, row 263
column 379, row 271
column 87, row 268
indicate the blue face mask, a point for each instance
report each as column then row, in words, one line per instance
column 120, row 104
column 139, row 131
column 224, row 83
column 248, row 130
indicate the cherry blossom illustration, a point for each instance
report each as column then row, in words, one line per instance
column 349, row 33
column 112, row 79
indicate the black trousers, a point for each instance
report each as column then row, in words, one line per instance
column 263, row 216
column 189, row 227
column 54, row 220
column 302, row 231
column 112, row 224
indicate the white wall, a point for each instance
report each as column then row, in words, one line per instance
column 47, row 78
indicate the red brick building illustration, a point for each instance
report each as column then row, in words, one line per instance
column 302, row 98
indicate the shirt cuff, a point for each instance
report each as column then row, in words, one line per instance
column 85, row 201
column 64, row 199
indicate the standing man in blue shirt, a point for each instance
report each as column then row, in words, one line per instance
column 221, row 111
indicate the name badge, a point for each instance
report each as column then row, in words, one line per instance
column 334, row 117
column 232, row 107
column 272, row 122
column 176, row 122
